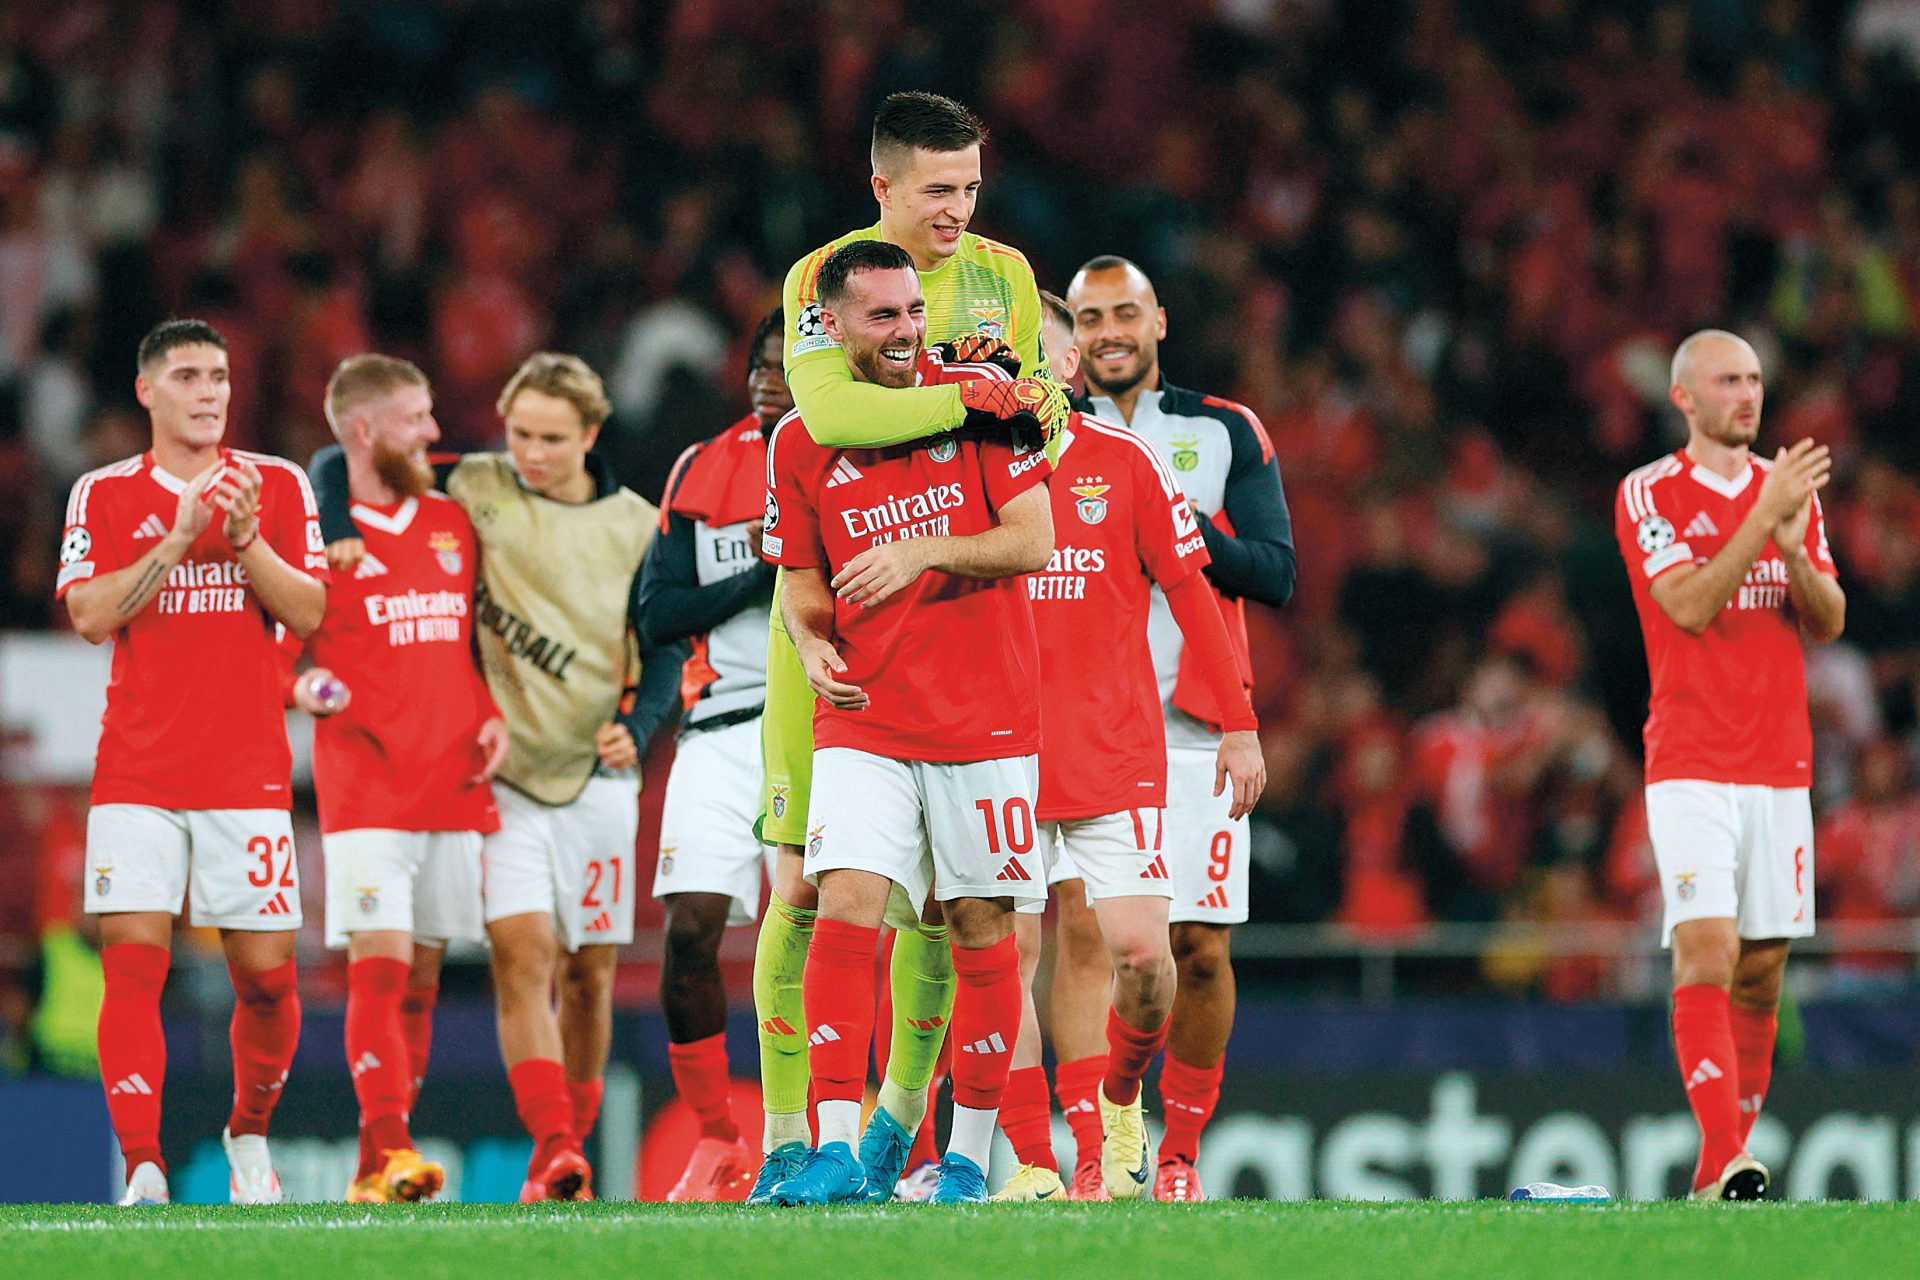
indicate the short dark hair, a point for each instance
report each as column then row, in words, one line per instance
column 1056, row 306
column 169, row 334
column 769, row 327
column 925, row 121
column 1110, row 262
column 849, row 259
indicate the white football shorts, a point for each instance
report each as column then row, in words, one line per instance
column 959, row 830
column 1732, row 852
column 235, row 868
column 426, row 883
column 1206, row 851
column 707, row 843
column 573, row 860
column 1117, row 855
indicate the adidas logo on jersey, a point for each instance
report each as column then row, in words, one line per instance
column 277, row 906
column 992, row 1044
column 151, row 527
column 1157, row 869
column 1701, row 526
column 1707, row 1070
column 844, row 472
column 823, row 1035
column 600, row 923
column 1216, row 900
column 1013, row 871
column 370, row 567
column 132, row 1084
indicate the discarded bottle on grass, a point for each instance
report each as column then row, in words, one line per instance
column 1563, row 1195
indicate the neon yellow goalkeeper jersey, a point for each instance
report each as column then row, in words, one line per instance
column 985, row 287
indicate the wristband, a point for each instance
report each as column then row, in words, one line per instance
column 252, row 538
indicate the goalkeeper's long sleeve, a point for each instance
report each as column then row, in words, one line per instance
column 844, row 414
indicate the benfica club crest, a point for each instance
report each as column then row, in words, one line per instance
column 103, row 880
column 446, row 549
column 942, row 449
column 1093, row 503
column 1186, row 452
column 369, row 899
column 779, row 805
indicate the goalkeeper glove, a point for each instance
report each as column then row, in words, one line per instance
column 980, row 348
column 1031, row 410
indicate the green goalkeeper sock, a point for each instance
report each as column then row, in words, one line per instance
column 779, row 962
column 922, row 977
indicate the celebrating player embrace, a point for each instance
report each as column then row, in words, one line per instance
column 186, row 557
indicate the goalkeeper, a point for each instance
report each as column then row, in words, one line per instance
column 926, row 178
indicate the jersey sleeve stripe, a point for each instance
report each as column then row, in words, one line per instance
column 810, row 274
column 773, row 441
column 1640, row 482
column 83, row 487
column 1168, row 485
column 1253, row 420
column 674, row 477
column 299, row 476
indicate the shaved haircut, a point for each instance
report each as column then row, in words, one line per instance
column 1683, row 354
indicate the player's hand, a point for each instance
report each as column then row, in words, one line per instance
column 822, row 663
column 1033, row 410
column 1790, row 535
column 320, row 693
column 345, row 555
column 238, row 494
column 980, row 348
column 1241, row 760
column 1798, row 472
column 493, row 741
column 880, row 572
column 616, row 748
column 193, row 515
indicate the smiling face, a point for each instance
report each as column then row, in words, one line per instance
column 928, row 200
column 399, row 427
column 1118, row 323
column 185, row 391
column 1719, row 389
column 881, row 323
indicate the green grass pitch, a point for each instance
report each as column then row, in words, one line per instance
column 1486, row 1240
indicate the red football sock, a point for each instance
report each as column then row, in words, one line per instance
column 1026, row 1117
column 1074, row 1084
column 540, row 1096
column 1753, row 1036
column 416, row 1024
column 133, row 1050
column 585, row 1095
column 1709, row 1067
column 837, row 991
column 265, row 1032
column 1188, row 1096
column 702, row 1077
column 986, row 1022
column 1129, row 1051
column 377, row 1056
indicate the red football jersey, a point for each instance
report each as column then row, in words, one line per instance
column 1729, row 705
column 1120, row 525
column 399, row 632
column 951, row 664
column 194, row 714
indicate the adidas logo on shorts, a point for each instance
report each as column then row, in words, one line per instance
column 1217, row 900
column 600, row 923
column 1157, row 869
column 276, row 906
column 1013, row 871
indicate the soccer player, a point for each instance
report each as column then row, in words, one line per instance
column 1121, row 527
column 926, row 179
column 704, row 581
column 186, row 557
column 404, row 798
column 1220, row 455
column 911, row 627
column 561, row 543
column 1730, row 567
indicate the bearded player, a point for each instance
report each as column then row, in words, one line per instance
column 903, row 564
column 404, row 797
column 561, row 544
column 1730, row 568
column 926, row 180
column 1121, row 528
column 704, row 581
column 1220, row 454
column 186, row 558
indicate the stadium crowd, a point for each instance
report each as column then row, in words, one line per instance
column 1443, row 249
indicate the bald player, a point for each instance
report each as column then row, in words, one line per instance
column 1222, row 459
column 1730, row 567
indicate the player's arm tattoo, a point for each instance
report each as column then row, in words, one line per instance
column 143, row 587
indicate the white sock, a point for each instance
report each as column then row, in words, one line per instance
column 783, row 1127
column 972, row 1135
column 908, row 1106
column 839, row 1121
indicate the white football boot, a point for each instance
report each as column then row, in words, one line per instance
column 253, row 1180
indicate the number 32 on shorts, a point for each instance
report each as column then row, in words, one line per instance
column 267, row 850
